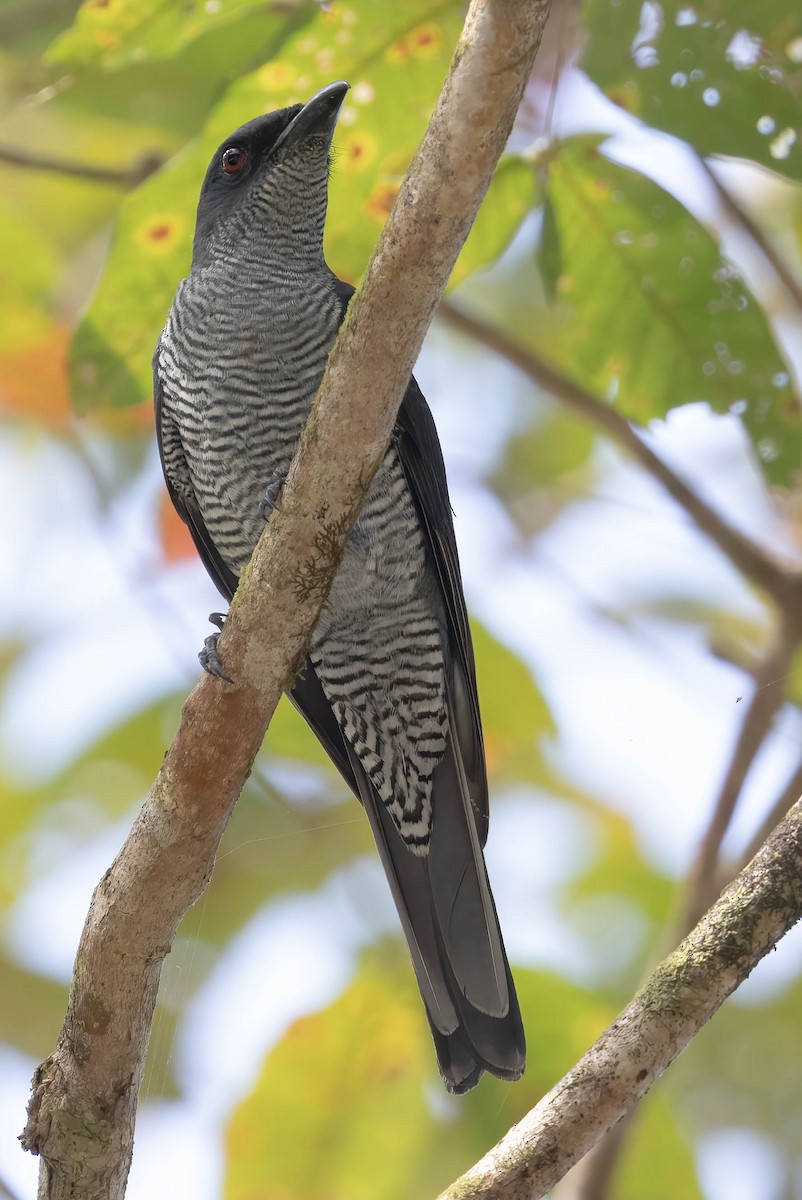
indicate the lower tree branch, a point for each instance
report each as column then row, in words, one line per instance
column 591, row 1178
column 681, row 995
column 81, row 1115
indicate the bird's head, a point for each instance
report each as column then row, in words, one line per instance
column 264, row 195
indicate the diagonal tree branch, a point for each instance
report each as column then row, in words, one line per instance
column 784, row 586
column 683, row 993
column 81, row 1115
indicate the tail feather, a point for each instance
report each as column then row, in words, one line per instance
column 449, row 920
column 465, row 912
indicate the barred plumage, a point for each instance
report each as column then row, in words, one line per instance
column 389, row 687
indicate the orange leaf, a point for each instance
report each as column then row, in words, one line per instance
column 175, row 538
column 34, row 383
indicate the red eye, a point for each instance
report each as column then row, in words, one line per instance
column 234, row 160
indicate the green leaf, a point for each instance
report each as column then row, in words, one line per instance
column 650, row 315
column 150, row 253
column 725, row 75
column 338, row 1109
column 549, row 259
column 116, row 33
column 365, row 1127
column 793, row 684
column 544, row 468
column 657, row 1161
column 618, row 879
column 760, row 1085
column 24, row 278
column 31, row 1008
column 510, row 198
column 515, row 716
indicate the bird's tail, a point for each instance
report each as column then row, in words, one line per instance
column 449, row 919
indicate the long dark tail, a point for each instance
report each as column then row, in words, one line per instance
column 449, row 919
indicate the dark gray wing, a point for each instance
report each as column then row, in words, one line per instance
column 415, row 438
column 418, row 447
column 182, row 493
column 489, row 1033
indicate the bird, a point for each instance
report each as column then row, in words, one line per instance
column 389, row 685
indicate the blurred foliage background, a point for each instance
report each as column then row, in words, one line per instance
column 641, row 237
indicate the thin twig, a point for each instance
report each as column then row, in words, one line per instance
column 127, row 177
column 704, row 879
column 789, row 796
column 30, row 14
column 755, row 234
column 784, row 586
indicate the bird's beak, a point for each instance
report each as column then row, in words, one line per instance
column 317, row 118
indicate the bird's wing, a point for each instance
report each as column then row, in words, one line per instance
column 415, row 439
column 182, row 491
column 418, row 447
column 443, row 897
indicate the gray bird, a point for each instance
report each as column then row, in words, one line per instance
column 389, row 687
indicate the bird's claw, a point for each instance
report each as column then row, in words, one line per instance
column 272, row 492
column 208, row 657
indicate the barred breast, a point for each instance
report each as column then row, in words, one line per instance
column 239, row 380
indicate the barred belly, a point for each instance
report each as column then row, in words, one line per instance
column 378, row 652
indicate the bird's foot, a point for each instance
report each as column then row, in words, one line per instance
column 208, row 658
column 272, row 492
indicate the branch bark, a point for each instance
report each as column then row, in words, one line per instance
column 683, row 993
column 82, row 1111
